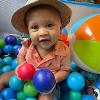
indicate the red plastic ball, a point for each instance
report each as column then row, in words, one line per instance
column 64, row 39
column 25, row 71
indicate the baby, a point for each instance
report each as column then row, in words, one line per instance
column 43, row 20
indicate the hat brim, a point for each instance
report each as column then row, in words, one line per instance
column 18, row 17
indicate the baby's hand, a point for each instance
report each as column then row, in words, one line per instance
column 4, row 79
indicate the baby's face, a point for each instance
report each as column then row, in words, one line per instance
column 44, row 26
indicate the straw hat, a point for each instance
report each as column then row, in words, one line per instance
column 19, row 16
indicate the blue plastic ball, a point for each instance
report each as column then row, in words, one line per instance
column 0, row 51
column 15, row 83
column 16, row 46
column 6, row 68
column 11, row 40
column 1, row 63
column 64, row 31
column 8, row 94
column 14, row 63
column 17, row 50
column 19, row 41
column 44, row 80
column 87, row 97
column 73, row 65
column 98, row 84
column 75, row 81
column 8, row 49
column 8, row 60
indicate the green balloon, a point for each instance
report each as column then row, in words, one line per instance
column 21, row 95
column 29, row 89
column 2, row 43
column 74, row 95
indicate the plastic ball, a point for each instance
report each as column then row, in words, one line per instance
column 64, row 39
column 44, row 80
column 2, row 43
column 8, row 60
column 1, row 63
column 30, row 99
column 74, row 95
column 14, row 63
column 21, row 95
column 29, row 89
column 6, row 68
column 73, row 65
column 98, row 85
column 1, row 72
column 8, row 94
column 19, row 41
column 25, row 71
column 8, row 49
column 87, row 97
column 85, row 43
column 17, row 50
column 15, row 83
column 11, row 40
column 75, row 81
column 64, row 31
column 15, row 46
column 0, row 51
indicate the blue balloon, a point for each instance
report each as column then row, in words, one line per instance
column 44, row 80
column 17, row 50
column 8, row 49
column 14, row 63
column 8, row 94
column 8, row 60
column 15, row 83
column 6, row 68
column 1, row 63
column 87, row 97
column 75, row 81
column 11, row 40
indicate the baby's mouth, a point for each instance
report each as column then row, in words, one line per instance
column 44, row 40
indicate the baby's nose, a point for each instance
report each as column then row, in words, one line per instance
column 43, row 32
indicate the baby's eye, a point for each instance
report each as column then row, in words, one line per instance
column 35, row 27
column 50, row 25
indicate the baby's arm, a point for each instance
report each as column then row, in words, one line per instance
column 65, row 67
column 4, row 79
column 61, row 75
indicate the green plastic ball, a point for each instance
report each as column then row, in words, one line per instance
column 21, row 95
column 74, row 95
column 2, row 43
column 29, row 89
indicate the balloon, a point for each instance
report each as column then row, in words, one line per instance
column 85, row 43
